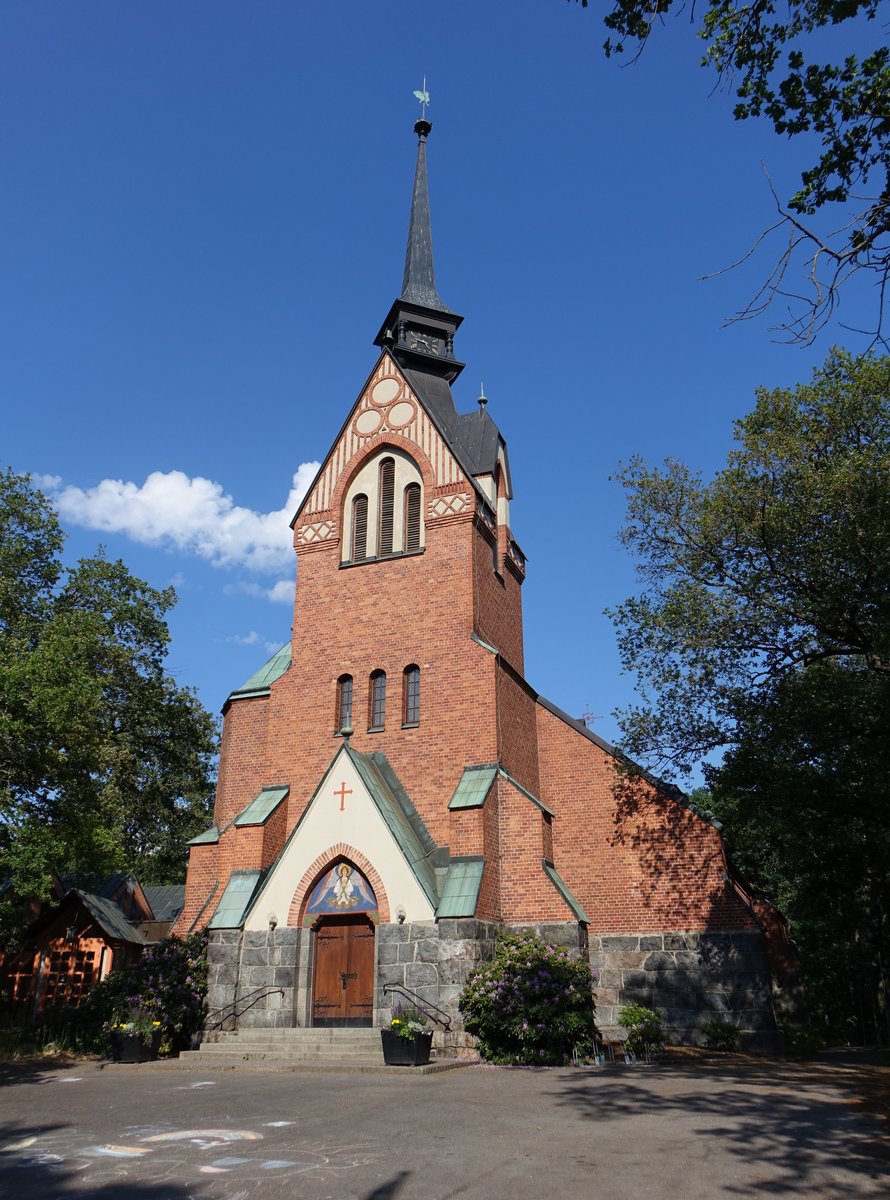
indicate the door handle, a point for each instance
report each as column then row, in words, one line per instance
column 345, row 975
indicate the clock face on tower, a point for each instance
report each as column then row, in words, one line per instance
column 418, row 340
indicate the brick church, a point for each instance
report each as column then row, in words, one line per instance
column 392, row 790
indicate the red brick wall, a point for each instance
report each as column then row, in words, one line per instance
column 497, row 602
column 384, row 616
column 488, row 906
column 517, row 728
column 202, row 872
column 242, row 758
column 637, row 862
column 527, row 893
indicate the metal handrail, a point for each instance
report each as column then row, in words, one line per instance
column 420, row 1002
column 234, row 1015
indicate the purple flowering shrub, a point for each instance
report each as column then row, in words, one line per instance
column 532, row 1004
column 167, row 984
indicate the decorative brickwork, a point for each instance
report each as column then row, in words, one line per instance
column 323, row 863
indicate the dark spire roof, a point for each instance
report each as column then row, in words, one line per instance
column 419, row 279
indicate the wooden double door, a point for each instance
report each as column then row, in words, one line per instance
column 343, row 976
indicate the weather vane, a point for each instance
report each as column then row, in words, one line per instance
column 424, row 97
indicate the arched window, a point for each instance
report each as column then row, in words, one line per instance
column 411, row 695
column 359, row 528
column 377, row 700
column 387, row 494
column 412, row 516
column 382, row 514
column 344, row 703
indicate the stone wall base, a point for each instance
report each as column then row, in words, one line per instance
column 688, row 977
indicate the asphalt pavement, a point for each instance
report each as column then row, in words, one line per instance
column 700, row 1130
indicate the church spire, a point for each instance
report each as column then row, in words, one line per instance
column 419, row 328
column 419, row 279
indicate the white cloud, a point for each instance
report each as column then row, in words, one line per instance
column 281, row 592
column 244, row 639
column 46, row 483
column 194, row 515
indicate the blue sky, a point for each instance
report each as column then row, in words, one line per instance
column 204, row 208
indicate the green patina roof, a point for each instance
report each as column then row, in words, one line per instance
column 233, row 903
column 209, row 837
column 563, row 888
column 528, row 795
column 460, row 889
column 475, row 783
column 401, row 817
column 473, row 786
column 260, row 810
column 261, row 680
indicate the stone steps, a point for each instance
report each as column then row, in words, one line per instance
column 309, row 1049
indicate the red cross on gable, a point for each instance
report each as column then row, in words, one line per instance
column 343, row 793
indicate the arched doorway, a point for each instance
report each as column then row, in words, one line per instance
column 343, row 973
column 342, row 908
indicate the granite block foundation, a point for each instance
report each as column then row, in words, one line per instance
column 263, row 980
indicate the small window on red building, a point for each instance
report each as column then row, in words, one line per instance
column 387, row 506
column 344, row 703
column 412, row 516
column 377, row 700
column 411, row 695
column 359, row 528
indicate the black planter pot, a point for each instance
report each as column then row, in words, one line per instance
column 406, row 1052
column 129, row 1047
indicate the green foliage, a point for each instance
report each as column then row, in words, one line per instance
column 168, row 984
column 720, row 1035
column 765, row 52
column 105, row 763
column 644, row 1033
column 532, row 1004
column 802, row 1041
column 763, row 634
column 407, row 1021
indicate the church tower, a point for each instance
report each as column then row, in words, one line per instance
column 392, row 791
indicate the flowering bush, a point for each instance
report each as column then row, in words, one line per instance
column 533, row 1003
column 644, row 1033
column 167, row 986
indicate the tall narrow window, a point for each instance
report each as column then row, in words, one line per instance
column 387, row 506
column 344, row 703
column 377, row 700
column 411, row 700
column 359, row 528
column 412, row 516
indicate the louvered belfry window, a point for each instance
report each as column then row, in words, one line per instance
column 411, row 685
column 359, row 528
column 387, row 506
column 412, row 516
column 344, row 702
column 377, row 700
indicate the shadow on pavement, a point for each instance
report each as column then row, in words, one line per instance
column 30, row 1174
column 386, row 1190
column 42, row 1069
column 794, row 1120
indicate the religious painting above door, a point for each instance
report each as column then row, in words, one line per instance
column 342, row 889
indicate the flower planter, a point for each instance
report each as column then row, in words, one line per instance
column 135, row 1047
column 406, row 1052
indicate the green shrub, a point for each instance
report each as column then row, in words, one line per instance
column 802, row 1041
column 720, row 1035
column 167, row 984
column 532, row 1004
column 644, row 1034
